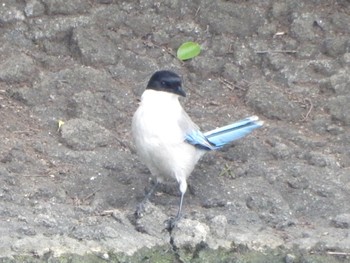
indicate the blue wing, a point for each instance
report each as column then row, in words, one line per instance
column 221, row 136
column 198, row 139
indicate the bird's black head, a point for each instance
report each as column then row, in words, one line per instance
column 167, row 81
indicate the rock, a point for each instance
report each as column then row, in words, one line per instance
column 10, row 13
column 280, row 9
column 112, row 17
column 46, row 221
column 340, row 21
column 335, row 129
column 342, row 221
column 55, row 30
column 18, row 68
column 218, row 226
column 319, row 159
column 135, row 62
column 339, row 108
column 290, row 258
column 60, row 7
column 346, row 59
column 226, row 18
column 265, row 99
column 79, row 92
column 325, row 67
column 79, row 79
column 338, row 83
column 189, row 233
column 105, row 1
column 153, row 222
column 28, row 231
column 81, row 134
column 282, row 151
column 335, row 47
column 34, row 8
column 215, row 64
column 101, row 108
column 90, row 46
column 298, row 183
column 303, row 26
column 210, row 203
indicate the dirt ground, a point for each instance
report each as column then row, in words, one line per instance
column 72, row 189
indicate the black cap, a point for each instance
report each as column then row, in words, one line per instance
column 167, row 81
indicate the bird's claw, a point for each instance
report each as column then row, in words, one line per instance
column 140, row 209
column 171, row 223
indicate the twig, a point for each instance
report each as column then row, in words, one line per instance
column 31, row 130
column 45, row 175
column 107, row 213
column 113, row 213
column 197, row 11
column 338, row 253
column 78, row 201
column 230, row 85
column 90, row 195
column 310, row 109
column 275, row 51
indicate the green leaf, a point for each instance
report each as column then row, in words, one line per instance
column 188, row 50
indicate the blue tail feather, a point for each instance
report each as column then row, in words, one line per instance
column 221, row 136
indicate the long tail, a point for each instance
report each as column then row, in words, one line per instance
column 219, row 137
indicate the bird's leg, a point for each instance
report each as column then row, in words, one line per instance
column 141, row 206
column 171, row 223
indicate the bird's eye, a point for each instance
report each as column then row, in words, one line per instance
column 163, row 83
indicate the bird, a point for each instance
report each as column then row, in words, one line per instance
column 168, row 142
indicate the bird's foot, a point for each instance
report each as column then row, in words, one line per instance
column 171, row 223
column 140, row 210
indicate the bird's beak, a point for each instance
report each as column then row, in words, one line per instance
column 180, row 91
